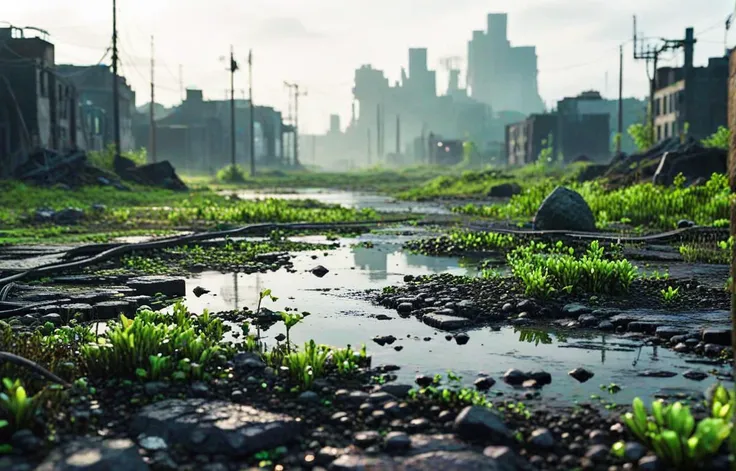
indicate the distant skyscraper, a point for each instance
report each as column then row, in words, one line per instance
column 499, row 74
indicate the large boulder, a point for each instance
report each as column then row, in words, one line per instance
column 695, row 163
column 564, row 209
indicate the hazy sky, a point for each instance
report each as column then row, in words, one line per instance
column 319, row 43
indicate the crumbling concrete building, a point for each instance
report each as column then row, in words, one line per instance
column 37, row 106
column 499, row 74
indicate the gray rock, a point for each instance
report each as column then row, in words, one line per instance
column 399, row 391
column 667, row 332
column 461, row 338
column 475, row 422
column 443, row 442
column 396, row 442
column 25, row 441
column 152, row 443
column 564, row 209
column 69, row 216
column 717, row 336
column 515, row 377
column 366, row 438
column 319, row 271
column 587, row 320
column 542, row 438
column 575, row 309
column 215, row 427
column 695, row 375
column 606, row 325
column 309, row 397
column 200, row 291
column 152, row 285
column 581, row 374
column 404, row 308
column 649, row 463
column 112, row 309
column 645, row 327
column 71, row 310
column 540, row 376
column 445, row 322
column 362, row 463
column 246, row 361
column 597, row 453
column 657, row 374
column 485, row 383
column 504, row 190
column 85, row 454
column 505, row 458
column 685, row 223
column 634, row 451
column 446, row 460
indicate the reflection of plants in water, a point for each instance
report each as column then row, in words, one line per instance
column 535, row 336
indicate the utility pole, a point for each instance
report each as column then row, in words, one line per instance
column 398, row 135
column 297, row 94
column 650, row 53
column 152, row 114
column 232, row 69
column 620, row 98
column 115, row 91
column 252, row 116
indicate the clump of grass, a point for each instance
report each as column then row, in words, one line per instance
column 463, row 241
column 105, row 159
column 231, row 174
column 703, row 253
column 670, row 294
column 451, row 393
column 545, row 270
column 642, row 204
column 157, row 345
column 673, row 433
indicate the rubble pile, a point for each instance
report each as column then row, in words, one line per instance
column 663, row 162
column 72, row 169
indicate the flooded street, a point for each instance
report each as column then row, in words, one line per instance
column 341, row 315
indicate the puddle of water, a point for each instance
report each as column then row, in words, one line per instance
column 350, row 199
column 339, row 319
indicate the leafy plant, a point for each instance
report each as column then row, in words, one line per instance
column 642, row 134
column 231, row 174
column 672, row 432
column 17, row 408
column 721, row 139
column 266, row 293
column 670, row 294
column 290, row 320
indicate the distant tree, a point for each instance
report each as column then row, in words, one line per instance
column 547, row 154
column 642, row 135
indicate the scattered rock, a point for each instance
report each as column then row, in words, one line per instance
column 462, row 338
column 657, row 374
column 215, row 427
column 575, row 309
column 695, row 375
column 86, row 454
column 667, row 332
column 152, row 285
column 685, row 223
column 384, row 340
column 112, row 309
column 445, row 460
column 504, row 190
column 404, row 308
column 424, row 381
column 445, row 322
column 634, row 451
column 396, row 442
column 541, row 377
column 515, row 377
column 398, row 391
column 485, row 383
column 542, row 438
column 581, row 374
column 475, row 422
column 564, row 209
column 308, row 397
column 68, row 216
column 319, row 271
column 597, row 453
column 717, row 336
column 649, row 463
column 199, row 291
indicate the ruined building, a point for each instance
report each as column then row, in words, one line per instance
column 499, row 74
column 37, row 106
column 696, row 96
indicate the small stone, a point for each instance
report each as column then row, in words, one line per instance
column 718, row 336
column 575, row 309
column 514, row 377
column 695, row 375
column 657, row 374
column 634, row 451
column 397, row 442
column 366, row 438
column 685, row 223
column 542, row 438
column 475, row 422
column 199, row 291
column 404, row 308
column 152, row 443
column 541, row 377
column 90, row 454
column 597, row 453
column 309, row 397
column 649, row 463
column 606, row 326
column 681, row 348
column 531, row 384
column 462, row 338
column 581, row 374
column 24, row 440
column 398, row 391
column 485, row 383
column 319, row 271
column 424, row 381
column 53, row 317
